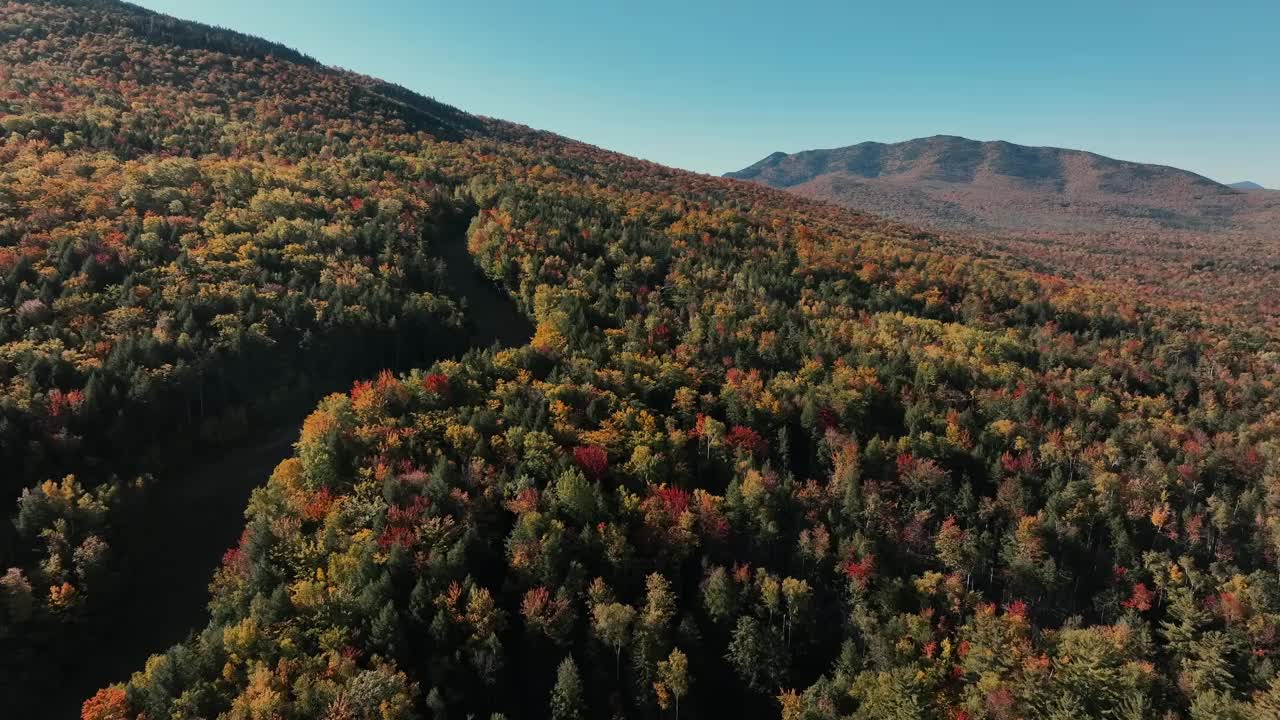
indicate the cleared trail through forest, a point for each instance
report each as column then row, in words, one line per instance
column 194, row 516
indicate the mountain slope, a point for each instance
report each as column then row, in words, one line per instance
column 761, row 457
column 1069, row 211
column 1246, row 185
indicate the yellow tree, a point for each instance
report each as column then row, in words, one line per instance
column 673, row 680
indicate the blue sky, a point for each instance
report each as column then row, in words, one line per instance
column 715, row 86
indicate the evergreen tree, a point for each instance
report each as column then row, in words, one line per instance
column 566, row 696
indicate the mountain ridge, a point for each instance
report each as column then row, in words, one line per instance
column 953, row 183
column 776, row 156
column 956, row 160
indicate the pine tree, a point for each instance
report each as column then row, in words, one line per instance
column 1208, row 669
column 757, row 655
column 566, row 696
column 718, row 594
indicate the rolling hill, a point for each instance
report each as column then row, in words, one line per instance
column 1246, row 185
column 687, row 446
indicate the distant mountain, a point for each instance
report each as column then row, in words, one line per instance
column 954, row 183
column 1246, row 185
column 1066, row 212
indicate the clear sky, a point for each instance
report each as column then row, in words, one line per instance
column 715, row 86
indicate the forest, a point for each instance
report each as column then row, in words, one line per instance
column 761, row 457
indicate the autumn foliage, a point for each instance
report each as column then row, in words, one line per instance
column 108, row 704
column 762, row 456
column 594, row 461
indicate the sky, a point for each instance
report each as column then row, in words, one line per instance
column 715, row 86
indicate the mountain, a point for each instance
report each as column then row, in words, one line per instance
column 1068, row 211
column 322, row 399
column 955, row 183
column 1246, row 185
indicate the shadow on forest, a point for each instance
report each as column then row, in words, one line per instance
column 197, row 514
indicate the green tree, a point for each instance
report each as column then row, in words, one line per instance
column 718, row 594
column 566, row 696
column 577, row 497
column 757, row 655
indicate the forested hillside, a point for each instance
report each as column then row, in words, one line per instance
column 182, row 268
column 762, row 457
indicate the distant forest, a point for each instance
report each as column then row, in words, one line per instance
column 1077, row 214
column 761, row 457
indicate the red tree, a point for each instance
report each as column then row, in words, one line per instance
column 861, row 571
column 594, row 461
column 109, row 703
column 1140, row 600
column 437, row 384
column 745, row 438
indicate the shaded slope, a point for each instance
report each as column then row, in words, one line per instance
column 195, row 516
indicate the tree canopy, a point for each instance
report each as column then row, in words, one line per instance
column 761, row 456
